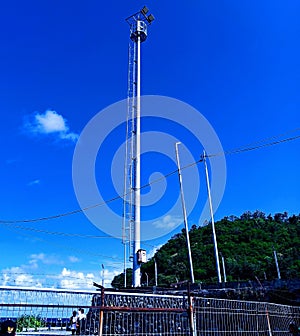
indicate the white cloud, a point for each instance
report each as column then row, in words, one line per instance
column 50, row 123
column 27, row 280
column 152, row 252
column 34, row 182
column 109, row 276
column 73, row 259
column 110, row 271
column 75, row 280
column 46, row 259
column 16, row 276
column 80, row 280
column 34, row 258
column 33, row 274
column 66, row 278
column 168, row 221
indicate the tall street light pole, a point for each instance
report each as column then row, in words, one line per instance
column 138, row 33
column 212, row 220
column 184, row 214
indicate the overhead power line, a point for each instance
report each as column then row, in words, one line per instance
column 260, row 144
column 64, row 246
column 57, row 233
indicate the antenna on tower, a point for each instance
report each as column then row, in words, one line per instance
column 138, row 23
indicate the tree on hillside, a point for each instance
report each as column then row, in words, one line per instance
column 247, row 244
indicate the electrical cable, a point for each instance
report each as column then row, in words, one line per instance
column 66, row 247
column 229, row 152
column 248, row 149
column 57, row 233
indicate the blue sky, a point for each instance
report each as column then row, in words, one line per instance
column 237, row 63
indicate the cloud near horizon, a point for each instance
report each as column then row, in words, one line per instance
column 50, row 122
column 76, row 280
column 29, row 275
column 36, row 272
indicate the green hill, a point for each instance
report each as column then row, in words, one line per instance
column 247, row 244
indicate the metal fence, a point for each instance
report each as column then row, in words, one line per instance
column 229, row 317
column 48, row 311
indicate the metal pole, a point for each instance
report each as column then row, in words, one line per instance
column 224, row 270
column 137, row 192
column 102, row 275
column 269, row 324
column 101, row 314
column 212, row 219
column 277, row 266
column 193, row 327
column 125, row 280
column 147, row 279
column 155, row 272
column 138, row 33
column 184, row 214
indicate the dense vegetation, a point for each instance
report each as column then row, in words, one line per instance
column 247, row 244
column 25, row 322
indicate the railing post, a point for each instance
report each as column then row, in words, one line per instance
column 269, row 324
column 191, row 313
column 101, row 313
